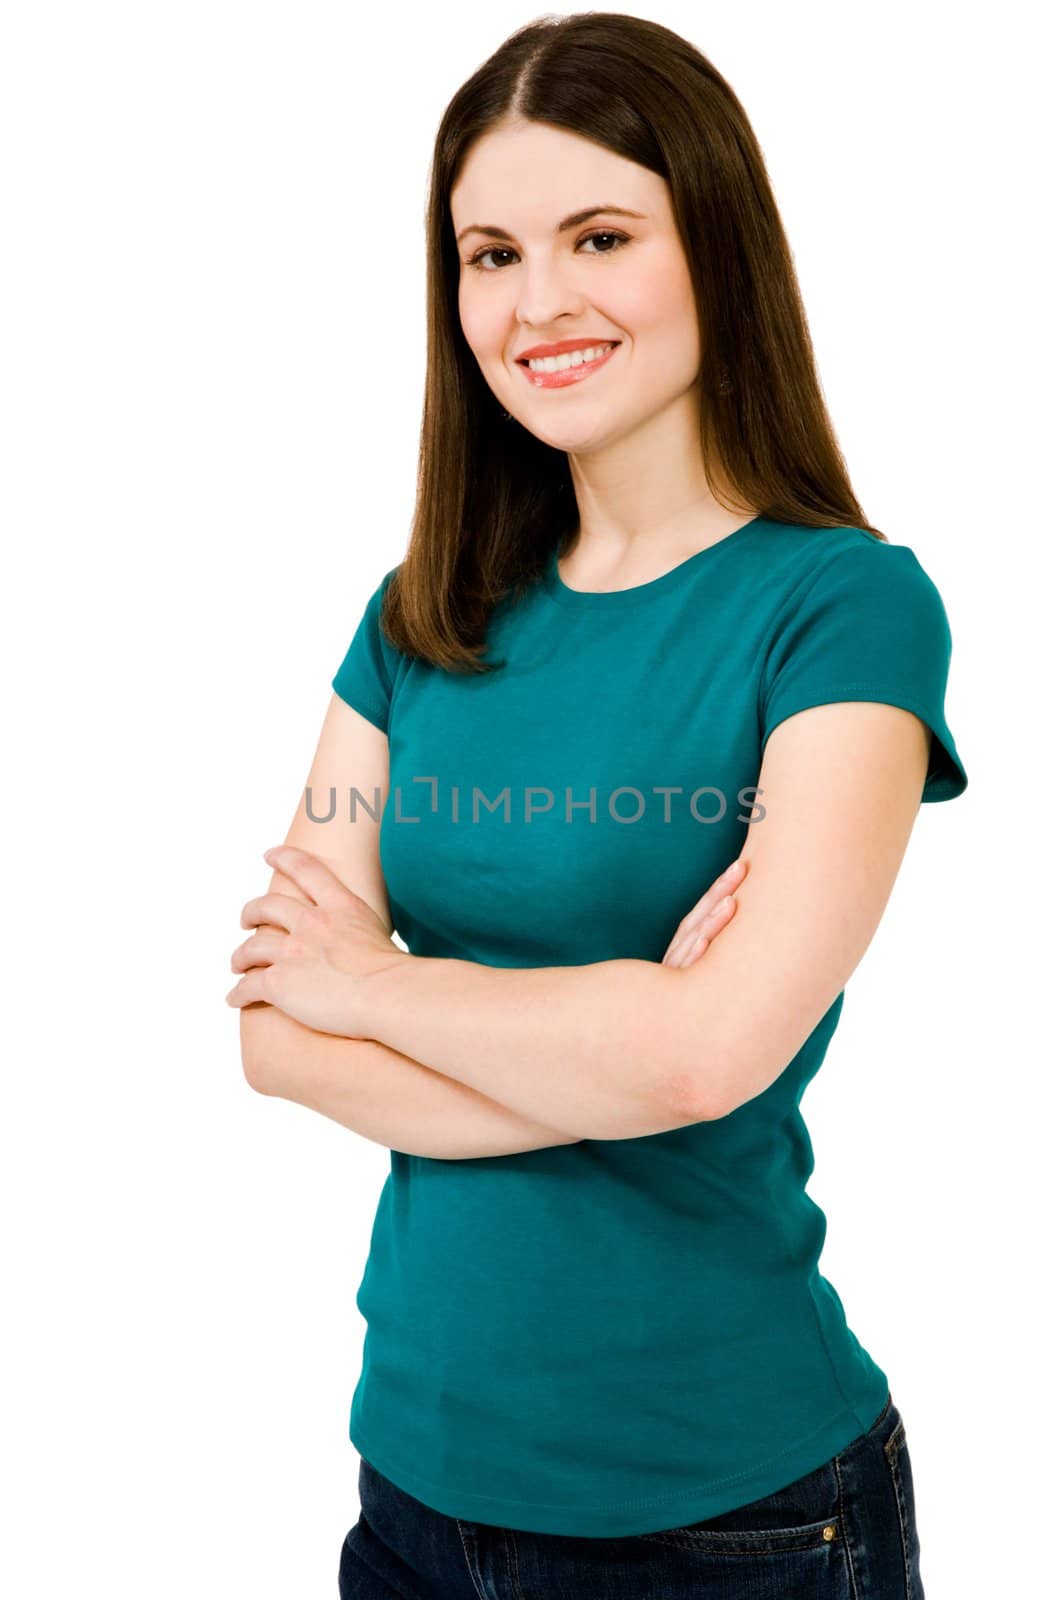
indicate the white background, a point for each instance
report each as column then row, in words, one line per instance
column 212, row 363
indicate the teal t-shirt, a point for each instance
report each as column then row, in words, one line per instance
column 619, row 1336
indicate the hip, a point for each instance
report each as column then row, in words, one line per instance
column 845, row 1531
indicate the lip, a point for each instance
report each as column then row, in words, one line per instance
column 537, row 352
column 564, row 380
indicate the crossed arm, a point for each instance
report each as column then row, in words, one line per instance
column 387, row 1097
column 841, row 785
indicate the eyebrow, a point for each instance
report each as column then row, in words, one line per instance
column 563, row 226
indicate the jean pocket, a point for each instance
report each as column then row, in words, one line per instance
column 806, row 1515
column 899, row 1462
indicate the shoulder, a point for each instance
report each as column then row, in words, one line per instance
column 805, row 553
column 366, row 677
column 372, row 615
column 817, row 567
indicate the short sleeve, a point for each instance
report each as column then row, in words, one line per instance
column 366, row 675
column 870, row 626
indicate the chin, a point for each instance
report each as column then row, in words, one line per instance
column 579, row 438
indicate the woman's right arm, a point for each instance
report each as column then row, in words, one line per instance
column 389, row 1098
column 368, row 1087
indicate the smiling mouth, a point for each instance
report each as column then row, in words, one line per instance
column 611, row 343
column 571, row 376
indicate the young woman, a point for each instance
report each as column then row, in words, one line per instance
column 628, row 749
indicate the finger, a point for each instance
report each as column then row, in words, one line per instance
column 728, row 879
column 705, row 929
column 248, row 990
column 310, row 873
column 260, row 950
column 717, row 919
column 709, row 926
column 677, row 954
column 713, row 925
column 278, row 909
column 698, row 948
column 724, row 883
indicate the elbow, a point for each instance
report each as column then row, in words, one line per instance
column 720, row 1073
column 688, row 1089
column 253, row 1075
column 252, row 1078
column 717, row 1086
column 725, row 1053
column 699, row 1086
column 252, row 1054
column 696, row 1095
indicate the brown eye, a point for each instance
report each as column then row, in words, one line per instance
column 477, row 260
column 480, row 257
column 606, row 233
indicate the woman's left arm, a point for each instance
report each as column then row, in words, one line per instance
column 618, row 1049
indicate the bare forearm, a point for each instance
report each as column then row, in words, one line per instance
column 385, row 1096
column 599, row 1050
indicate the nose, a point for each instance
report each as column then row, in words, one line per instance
column 545, row 294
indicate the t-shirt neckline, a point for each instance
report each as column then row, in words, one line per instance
column 609, row 599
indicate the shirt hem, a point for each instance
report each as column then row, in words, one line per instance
column 653, row 1515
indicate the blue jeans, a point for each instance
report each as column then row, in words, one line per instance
column 843, row 1532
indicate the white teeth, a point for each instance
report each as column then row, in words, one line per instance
column 572, row 358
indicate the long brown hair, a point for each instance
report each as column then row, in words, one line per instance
column 493, row 500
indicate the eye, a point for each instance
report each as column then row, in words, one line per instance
column 480, row 257
column 477, row 260
column 605, row 233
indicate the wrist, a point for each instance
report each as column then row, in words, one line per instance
column 375, row 993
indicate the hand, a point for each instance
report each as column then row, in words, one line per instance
column 711, row 913
column 312, row 961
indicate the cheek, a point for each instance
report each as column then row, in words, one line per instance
column 484, row 323
column 657, row 298
column 667, row 302
column 660, row 313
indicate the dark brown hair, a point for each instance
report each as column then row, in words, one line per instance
column 493, row 500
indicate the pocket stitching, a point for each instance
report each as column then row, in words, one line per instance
column 843, row 1525
column 755, row 1542
column 892, row 1449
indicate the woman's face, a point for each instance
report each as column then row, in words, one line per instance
column 524, row 283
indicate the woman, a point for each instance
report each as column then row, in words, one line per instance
column 643, row 641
